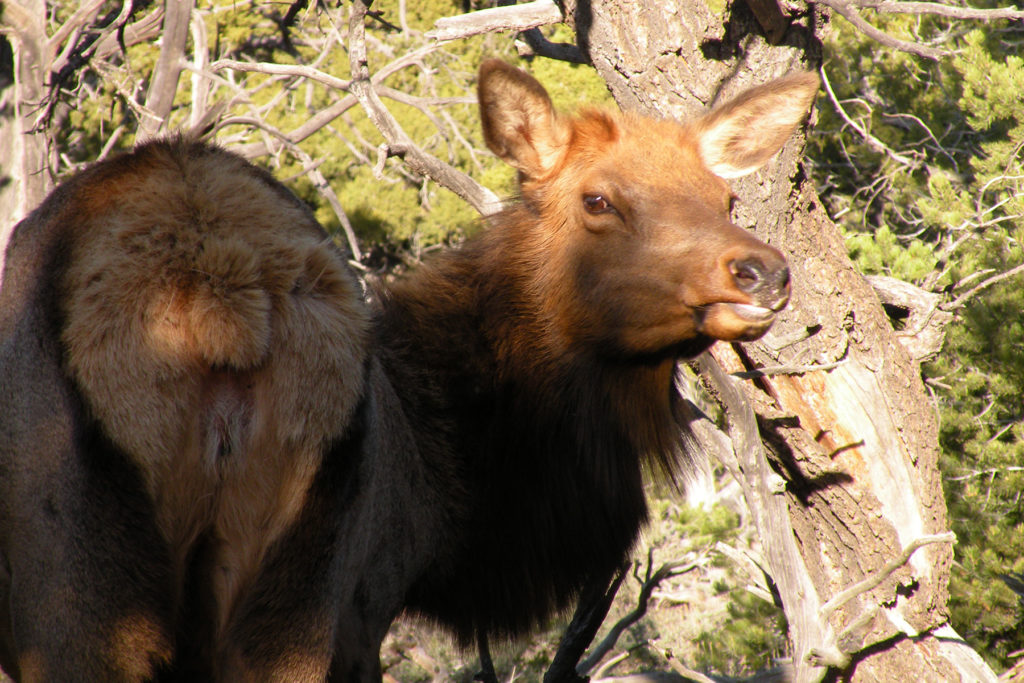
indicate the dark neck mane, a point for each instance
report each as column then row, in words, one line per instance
column 550, row 440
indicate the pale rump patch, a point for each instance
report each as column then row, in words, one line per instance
column 219, row 339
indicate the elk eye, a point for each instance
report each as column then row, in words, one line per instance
column 597, row 203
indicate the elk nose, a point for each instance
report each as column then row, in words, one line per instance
column 767, row 284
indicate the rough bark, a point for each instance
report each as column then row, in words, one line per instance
column 849, row 457
column 25, row 178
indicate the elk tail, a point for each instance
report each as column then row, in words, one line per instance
column 221, row 311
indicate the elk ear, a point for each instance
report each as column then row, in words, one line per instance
column 520, row 124
column 740, row 136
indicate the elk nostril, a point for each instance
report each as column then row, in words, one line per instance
column 782, row 278
column 748, row 273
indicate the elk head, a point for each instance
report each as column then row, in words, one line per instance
column 630, row 237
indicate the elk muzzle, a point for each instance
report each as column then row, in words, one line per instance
column 767, row 283
column 762, row 277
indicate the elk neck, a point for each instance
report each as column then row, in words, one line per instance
column 482, row 321
column 550, row 438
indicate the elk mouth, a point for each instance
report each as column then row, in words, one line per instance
column 755, row 314
column 729, row 321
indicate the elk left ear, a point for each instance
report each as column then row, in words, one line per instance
column 520, row 124
column 740, row 136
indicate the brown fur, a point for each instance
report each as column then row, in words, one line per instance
column 215, row 466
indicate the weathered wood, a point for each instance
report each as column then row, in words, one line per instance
column 164, row 83
column 511, row 18
column 24, row 177
column 924, row 327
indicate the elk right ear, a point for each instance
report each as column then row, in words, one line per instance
column 520, row 124
column 742, row 135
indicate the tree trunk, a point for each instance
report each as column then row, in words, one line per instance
column 26, row 177
column 842, row 481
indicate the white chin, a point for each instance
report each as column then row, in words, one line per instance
column 754, row 314
column 735, row 322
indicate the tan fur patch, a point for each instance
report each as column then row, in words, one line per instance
column 138, row 643
column 293, row 666
column 219, row 338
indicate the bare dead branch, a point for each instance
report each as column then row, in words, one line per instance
column 987, row 473
column 742, row 452
column 200, row 82
column 325, row 116
column 988, row 282
column 535, row 44
column 409, row 58
column 873, row 142
column 755, row 570
column 325, row 190
column 924, row 330
column 859, row 623
column 403, row 19
column 398, row 141
column 871, row 582
column 140, row 110
column 650, row 583
column 145, row 29
column 510, row 18
column 422, row 103
column 69, row 32
column 160, row 97
column 1015, row 674
column 686, row 672
column 298, row 70
column 288, row 20
column 110, row 143
column 311, row 126
column 940, row 10
column 787, row 370
column 846, row 9
column 486, row 674
column 833, row 654
column 599, row 674
column 81, row 35
column 457, row 134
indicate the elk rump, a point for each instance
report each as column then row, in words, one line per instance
column 189, row 487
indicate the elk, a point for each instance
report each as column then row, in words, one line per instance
column 219, row 462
